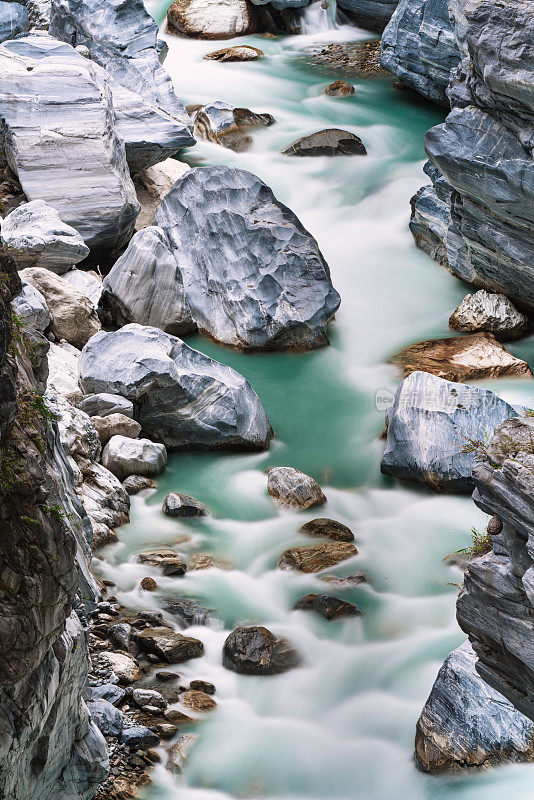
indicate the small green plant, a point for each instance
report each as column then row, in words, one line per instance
column 481, row 544
column 478, row 448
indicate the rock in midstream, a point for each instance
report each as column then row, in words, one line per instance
column 339, row 89
column 329, row 528
column 44, row 138
column 169, row 562
column 433, row 427
column 485, row 311
column 181, row 505
column 293, row 489
column 329, row 142
column 327, row 606
column 317, row 557
column 229, row 126
column 169, row 645
column 256, row 651
column 240, row 52
column 36, row 237
column 213, row 19
column 466, row 723
column 181, row 397
column 259, row 281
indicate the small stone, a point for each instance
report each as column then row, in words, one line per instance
column 318, row 557
column 108, row 691
column 124, row 457
column 115, row 425
column 149, row 697
column 181, row 505
column 328, row 528
column 138, row 483
column 198, row 701
column 167, row 730
column 176, row 717
column 242, row 52
column 169, row 562
column 121, row 635
column 203, row 686
column 339, row 89
column 149, row 584
column 293, row 489
column 166, row 676
column 327, row 606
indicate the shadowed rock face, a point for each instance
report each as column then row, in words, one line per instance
column 330, row 142
column 258, row 281
column 466, row 724
column 495, row 607
column 13, row 20
column 256, row 651
column 44, row 138
column 181, row 397
column 429, row 426
column 483, row 230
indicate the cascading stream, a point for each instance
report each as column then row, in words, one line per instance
column 342, row 725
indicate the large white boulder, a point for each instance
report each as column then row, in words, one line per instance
column 124, row 456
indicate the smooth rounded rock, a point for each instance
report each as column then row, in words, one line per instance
column 30, row 307
column 256, row 651
column 329, row 528
column 198, row 700
column 149, row 584
column 169, row 645
column 240, row 52
column 108, row 719
column 123, row 457
column 213, row 19
column 339, row 89
column 103, row 404
column 293, row 489
column 122, row 666
column 168, row 561
column 330, row 142
column 139, row 737
column 327, row 606
column 181, row 505
column 148, row 697
column 318, row 557
column 115, row 425
column 138, row 483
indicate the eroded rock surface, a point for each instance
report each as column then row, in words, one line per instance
column 293, row 489
column 329, row 142
column 317, row 557
column 483, row 311
column 256, row 651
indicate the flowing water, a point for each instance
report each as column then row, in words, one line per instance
column 341, row 727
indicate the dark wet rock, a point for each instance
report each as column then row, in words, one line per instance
column 485, row 229
column 178, row 752
column 213, row 19
column 467, row 724
column 495, row 607
column 432, row 426
column 198, row 700
column 256, row 651
column 108, row 719
column 187, row 611
column 327, row 606
column 169, row 562
column 328, row 528
column 181, row 505
column 36, row 237
column 100, row 204
column 229, row 126
column 317, row 557
column 494, row 313
column 330, row 142
column 461, row 358
column 419, row 46
column 293, row 489
column 108, row 691
column 123, row 40
column 222, row 409
column 121, row 635
column 139, row 737
column 145, row 286
column 202, row 686
column 100, row 405
column 148, row 584
column 371, row 14
column 167, row 730
column 240, row 52
column 169, row 645
column 259, row 282
column 165, row 676
column 138, row 483
column 13, row 20
column 124, row 457
column 339, row 89
column 177, row 717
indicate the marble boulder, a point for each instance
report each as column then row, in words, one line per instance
column 213, row 19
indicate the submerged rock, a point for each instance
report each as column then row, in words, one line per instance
column 339, row 89
column 169, row 645
column 124, row 457
column 145, row 286
column 213, row 19
column 327, row 606
column 187, row 611
column 328, row 528
column 494, row 313
column 293, row 489
column 228, row 126
column 330, row 142
column 100, row 202
column 181, row 505
column 74, row 316
column 256, row 651
column 317, row 557
column 240, row 52
column 36, row 237
column 181, row 396
column 433, row 429
column 259, row 281
column 466, row 723
column 169, row 562
column 461, row 358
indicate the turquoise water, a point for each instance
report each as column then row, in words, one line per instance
column 341, row 726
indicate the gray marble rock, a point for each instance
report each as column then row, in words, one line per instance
column 213, row 19
column 483, row 311
column 13, row 20
column 496, row 605
column 124, row 456
column 259, row 281
column 139, row 737
column 100, row 405
column 431, row 423
column 467, row 724
column 145, row 285
column 122, row 38
column 35, row 236
column 44, row 138
column 107, row 691
column 108, row 719
column 30, row 307
column 419, row 47
column 181, row 397
column 39, row 13
column 371, row 14
column 293, row 489
column 88, row 283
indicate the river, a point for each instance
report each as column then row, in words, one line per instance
column 341, row 727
